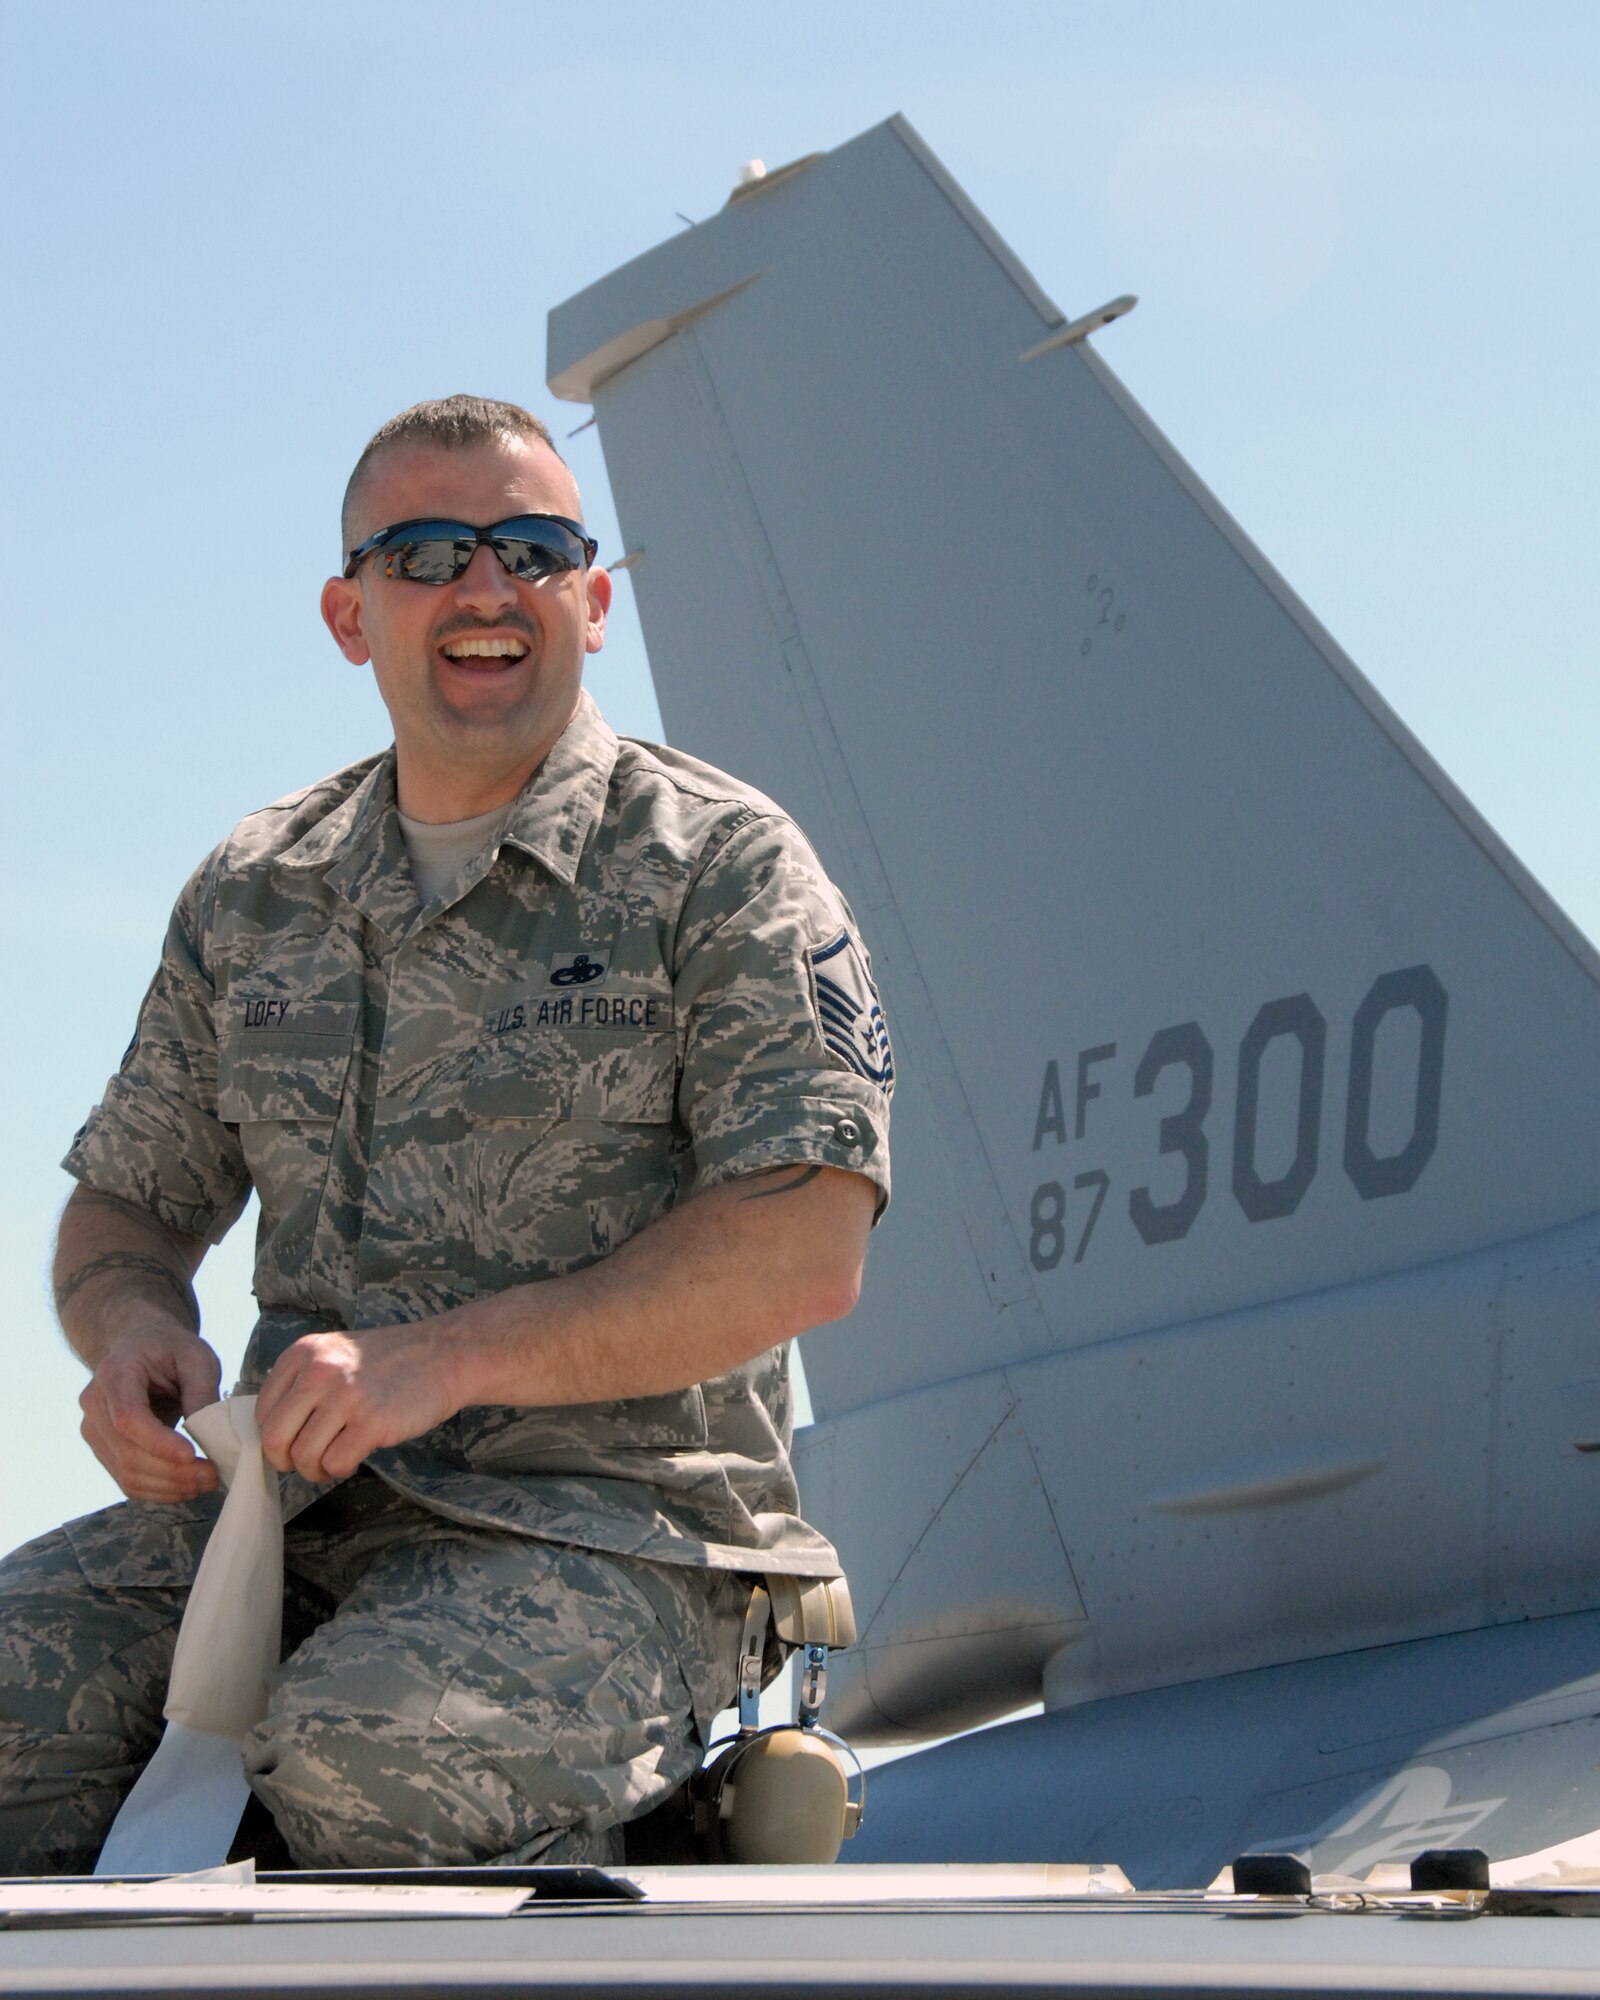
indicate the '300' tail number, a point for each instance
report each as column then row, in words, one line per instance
column 1295, row 1018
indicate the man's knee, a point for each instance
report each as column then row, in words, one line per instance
column 85, row 1649
column 413, row 1741
column 388, row 1782
column 89, row 1617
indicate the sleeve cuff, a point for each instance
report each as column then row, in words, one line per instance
column 162, row 1163
column 839, row 1121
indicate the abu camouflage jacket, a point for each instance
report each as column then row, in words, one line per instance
column 645, row 986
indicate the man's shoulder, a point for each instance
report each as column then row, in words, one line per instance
column 262, row 836
column 688, row 794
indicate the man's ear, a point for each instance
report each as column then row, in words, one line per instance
column 599, row 586
column 342, row 614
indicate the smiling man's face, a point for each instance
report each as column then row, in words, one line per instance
column 479, row 676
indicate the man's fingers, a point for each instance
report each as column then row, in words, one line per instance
column 305, row 1402
column 139, row 1426
column 289, row 1444
column 147, row 1486
column 141, row 1474
column 302, row 1434
column 270, row 1399
column 125, row 1406
column 286, row 1398
column 344, row 1454
column 281, row 1408
column 125, row 1422
column 330, row 1399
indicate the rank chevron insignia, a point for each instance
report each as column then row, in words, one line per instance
column 852, row 1014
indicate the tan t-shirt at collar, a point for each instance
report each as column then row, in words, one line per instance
column 440, row 851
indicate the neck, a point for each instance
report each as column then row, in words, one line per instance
column 441, row 799
column 439, row 782
column 440, row 789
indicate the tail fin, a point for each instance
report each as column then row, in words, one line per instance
column 1210, row 992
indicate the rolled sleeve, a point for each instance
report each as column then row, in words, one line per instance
column 776, row 1071
column 155, row 1138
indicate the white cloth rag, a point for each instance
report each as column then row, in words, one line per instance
column 184, row 1811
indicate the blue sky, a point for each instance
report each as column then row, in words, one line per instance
column 241, row 235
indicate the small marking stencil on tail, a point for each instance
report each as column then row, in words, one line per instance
column 851, row 1011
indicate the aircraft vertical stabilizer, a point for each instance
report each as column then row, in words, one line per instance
column 1246, row 1155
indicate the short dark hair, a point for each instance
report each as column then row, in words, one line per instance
column 447, row 420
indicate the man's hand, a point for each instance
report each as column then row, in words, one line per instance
column 332, row 1398
column 123, row 1291
column 146, row 1381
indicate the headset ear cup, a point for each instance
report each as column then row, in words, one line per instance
column 781, row 1798
column 705, row 1803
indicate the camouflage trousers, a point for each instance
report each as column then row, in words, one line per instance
column 448, row 1695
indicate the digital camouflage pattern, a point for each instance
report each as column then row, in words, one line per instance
column 616, row 1005
column 477, row 1697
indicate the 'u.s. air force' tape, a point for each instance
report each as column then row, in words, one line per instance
column 184, row 1811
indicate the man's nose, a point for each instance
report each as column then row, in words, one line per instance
column 485, row 586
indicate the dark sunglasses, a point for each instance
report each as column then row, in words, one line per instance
column 530, row 546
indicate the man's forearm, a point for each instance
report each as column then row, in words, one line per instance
column 116, row 1267
column 721, row 1278
column 726, row 1275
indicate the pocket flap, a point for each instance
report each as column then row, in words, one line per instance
column 281, row 1075
column 630, row 1083
column 514, row 1093
column 147, row 1545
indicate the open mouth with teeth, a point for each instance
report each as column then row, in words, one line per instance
column 461, row 651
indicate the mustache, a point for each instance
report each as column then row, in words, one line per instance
column 460, row 627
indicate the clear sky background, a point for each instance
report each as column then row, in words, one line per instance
column 240, row 235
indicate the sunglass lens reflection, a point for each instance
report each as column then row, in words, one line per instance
column 535, row 549
column 539, row 550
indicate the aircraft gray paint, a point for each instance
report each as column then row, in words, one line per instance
column 1226, row 1371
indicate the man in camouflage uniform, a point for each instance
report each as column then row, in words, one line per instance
column 556, row 1064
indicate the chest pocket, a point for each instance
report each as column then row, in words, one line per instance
column 282, row 1087
column 575, row 1151
column 272, row 1074
column 632, row 1082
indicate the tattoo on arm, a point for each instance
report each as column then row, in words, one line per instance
column 802, row 1176
column 130, row 1260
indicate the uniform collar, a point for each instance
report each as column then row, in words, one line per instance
column 360, row 844
column 561, row 803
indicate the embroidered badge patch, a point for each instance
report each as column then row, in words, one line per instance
column 852, row 1014
column 579, row 968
